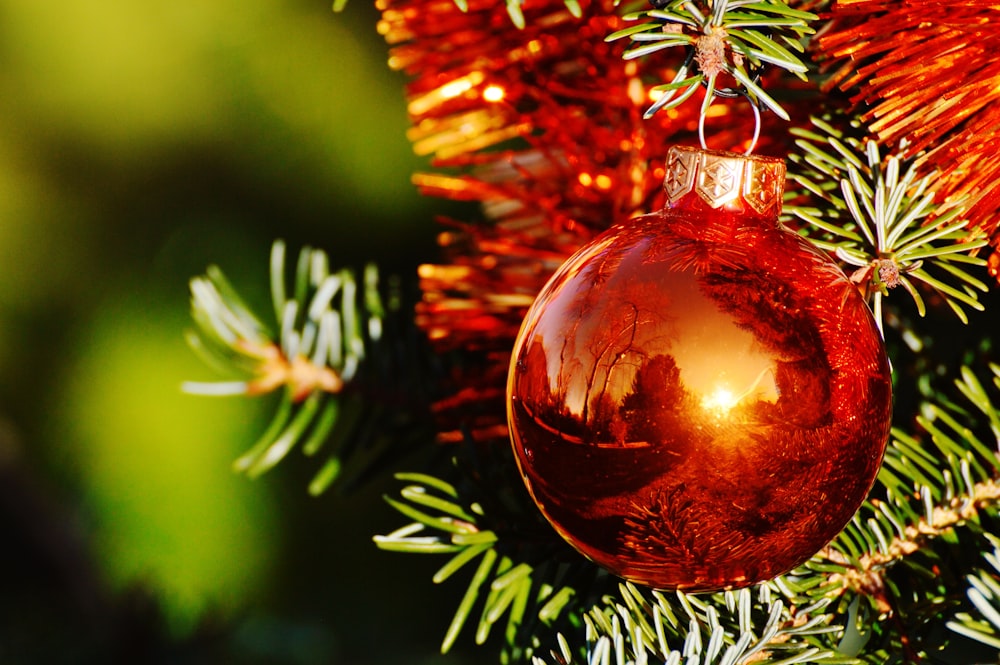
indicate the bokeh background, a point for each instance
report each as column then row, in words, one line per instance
column 140, row 142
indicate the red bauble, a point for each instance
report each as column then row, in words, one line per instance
column 699, row 399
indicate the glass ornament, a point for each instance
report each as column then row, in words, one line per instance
column 700, row 399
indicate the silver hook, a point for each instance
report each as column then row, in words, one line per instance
column 756, row 129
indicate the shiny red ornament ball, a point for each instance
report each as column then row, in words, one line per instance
column 700, row 399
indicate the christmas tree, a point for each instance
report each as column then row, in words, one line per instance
column 555, row 117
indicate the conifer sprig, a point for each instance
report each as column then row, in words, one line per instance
column 737, row 38
column 745, row 626
column 984, row 595
column 879, row 218
column 312, row 351
column 940, row 486
column 500, row 588
column 635, row 626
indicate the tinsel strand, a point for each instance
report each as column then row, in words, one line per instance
column 927, row 71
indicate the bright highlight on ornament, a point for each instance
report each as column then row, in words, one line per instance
column 699, row 399
column 720, row 401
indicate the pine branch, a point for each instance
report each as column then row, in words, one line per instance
column 984, row 594
column 325, row 324
column 738, row 38
column 934, row 489
column 745, row 626
column 725, row 628
column 525, row 594
column 874, row 214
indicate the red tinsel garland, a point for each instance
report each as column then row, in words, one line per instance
column 927, row 71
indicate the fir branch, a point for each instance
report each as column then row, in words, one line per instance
column 525, row 594
column 874, row 214
column 746, row 626
column 930, row 486
column 313, row 350
column 984, row 595
column 737, row 38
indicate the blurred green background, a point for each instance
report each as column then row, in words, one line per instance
column 139, row 142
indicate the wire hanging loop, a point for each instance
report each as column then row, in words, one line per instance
column 710, row 94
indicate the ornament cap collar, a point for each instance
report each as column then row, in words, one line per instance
column 725, row 179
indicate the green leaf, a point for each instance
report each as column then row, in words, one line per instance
column 474, row 537
column 277, row 263
column 418, row 495
column 455, row 564
column 326, row 476
column 769, row 51
column 322, row 427
column 430, row 481
column 278, row 448
column 947, row 290
column 642, row 51
column 414, row 545
column 668, row 100
column 781, row 9
column 465, row 606
column 692, row 19
column 757, row 92
column 676, row 85
column 515, row 13
column 556, row 604
column 445, row 524
column 277, row 425
column 631, row 30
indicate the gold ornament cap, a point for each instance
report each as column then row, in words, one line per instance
column 725, row 179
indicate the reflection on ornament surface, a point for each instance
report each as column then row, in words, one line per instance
column 699, row 399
